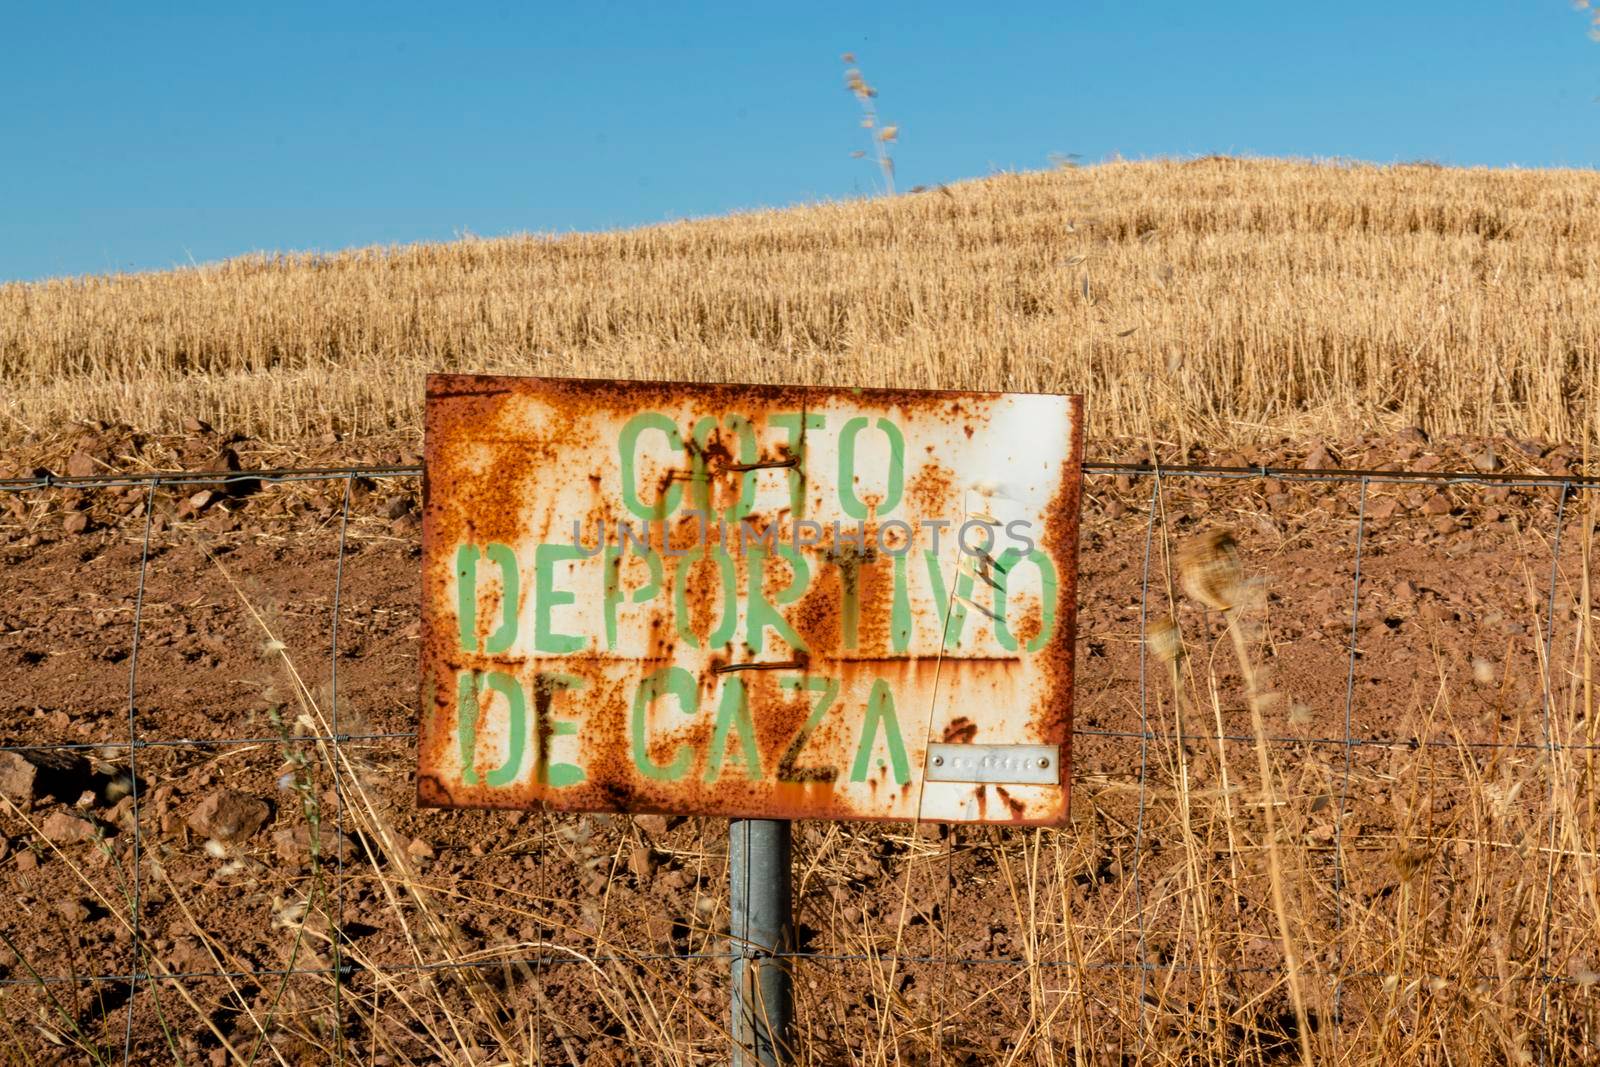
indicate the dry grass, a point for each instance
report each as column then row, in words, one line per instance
column 1215, row 300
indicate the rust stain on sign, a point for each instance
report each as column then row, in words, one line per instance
column 744, row 600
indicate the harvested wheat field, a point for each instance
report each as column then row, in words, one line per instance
column 1216, row 301
column 1313, row 819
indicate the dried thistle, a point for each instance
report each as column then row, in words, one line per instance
column 1163, row 640
column 884, row 136
column 1209, row 569
column 1408, row 862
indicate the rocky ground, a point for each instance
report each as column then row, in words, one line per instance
column 223, row 798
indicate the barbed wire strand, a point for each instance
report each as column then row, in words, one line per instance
column 575, row 957
column 1392, row 743
column 1092, row 468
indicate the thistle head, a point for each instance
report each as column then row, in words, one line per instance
column 1209, row 568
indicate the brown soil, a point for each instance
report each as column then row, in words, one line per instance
column 1451, row 627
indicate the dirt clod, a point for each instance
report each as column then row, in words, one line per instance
column 228, row 816
column 1320, row 459
column 65, row 828
column 642, row 862
column 74, row 910
column 17, row 777
column 657, row 824
column 294, row 846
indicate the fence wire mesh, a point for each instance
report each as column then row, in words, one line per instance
column 1421, row 865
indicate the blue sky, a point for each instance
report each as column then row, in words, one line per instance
column 140, row 140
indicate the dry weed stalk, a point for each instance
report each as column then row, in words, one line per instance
column 1211, row 572
column 880, row 135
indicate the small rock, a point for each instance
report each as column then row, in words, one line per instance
column 1437, row 504
column 1115, row 508
column 121, row 813
column 419, row 849
column 65, row 828
column 194, row 425
column 17, row 777
column 651, row 824
column 197, row 503
column 1405, row 591
column 27, row 861
column 642, row 862
column 82, row 465
column 76, row 523
column 229, row 816
column 1486, row 461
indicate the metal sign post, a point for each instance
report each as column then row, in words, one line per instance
column 761, row 934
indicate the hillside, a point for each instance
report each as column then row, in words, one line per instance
column 1216, row 300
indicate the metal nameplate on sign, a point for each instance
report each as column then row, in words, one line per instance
column 995, row 764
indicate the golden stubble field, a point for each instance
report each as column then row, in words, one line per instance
column 1215, row 301
column 1302, row 829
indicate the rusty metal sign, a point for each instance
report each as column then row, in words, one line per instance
column 751, row 601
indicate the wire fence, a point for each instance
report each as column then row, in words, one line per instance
column 1565, row 739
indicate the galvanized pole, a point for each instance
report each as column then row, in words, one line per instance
column 761, row 932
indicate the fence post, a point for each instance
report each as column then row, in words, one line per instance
column 761, row 929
